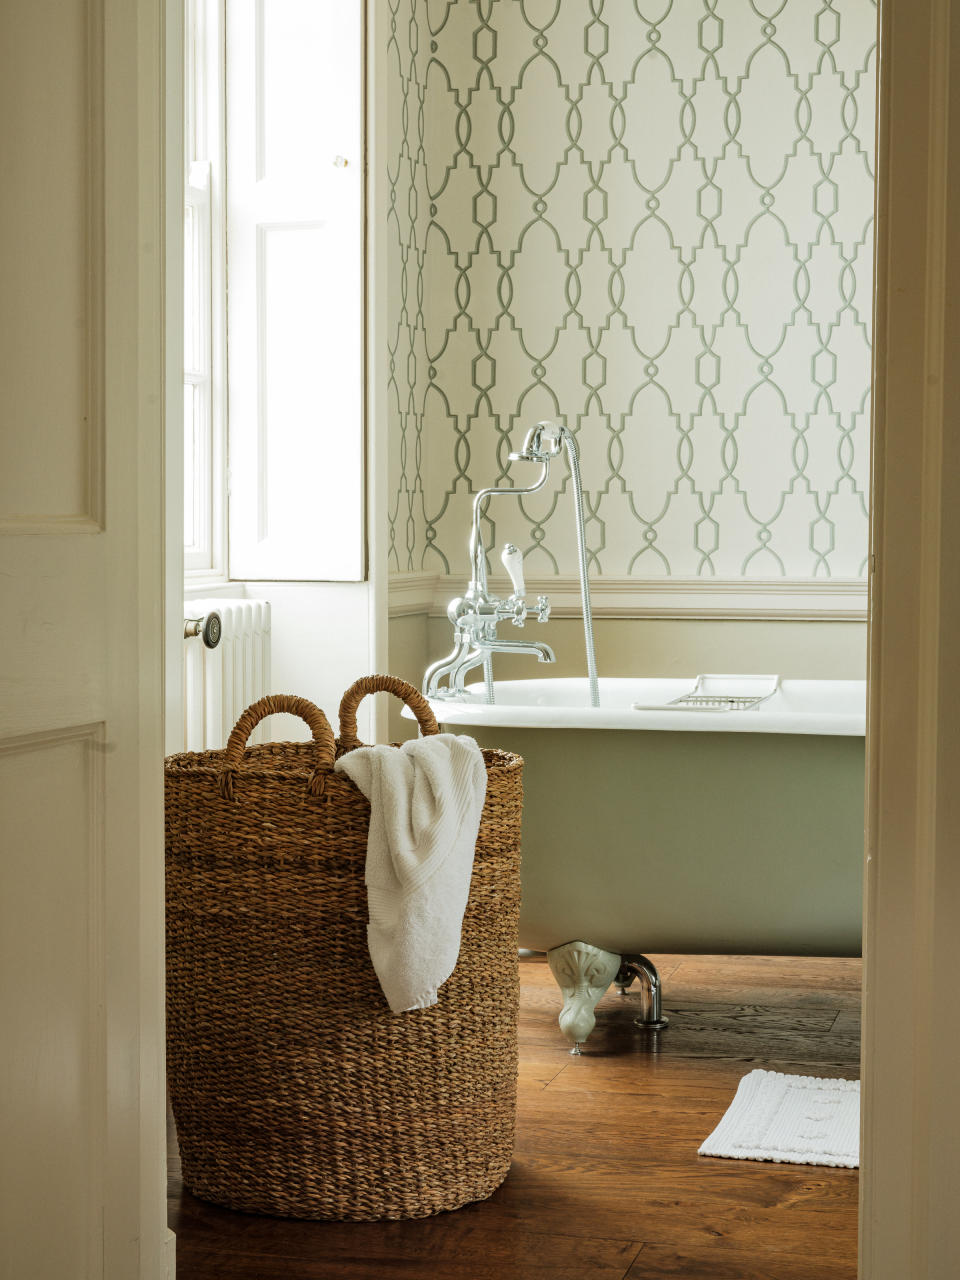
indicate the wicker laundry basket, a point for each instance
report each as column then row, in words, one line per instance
column 295, row 1090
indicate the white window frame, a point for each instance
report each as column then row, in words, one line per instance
column 296, row 435
column 217, row 444
column 205, row 561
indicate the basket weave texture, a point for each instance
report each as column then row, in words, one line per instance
column 295, row 1090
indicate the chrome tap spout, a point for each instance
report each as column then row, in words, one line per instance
column 481, row 654
column 543, row 651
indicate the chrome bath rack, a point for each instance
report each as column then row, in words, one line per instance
column 719, row 693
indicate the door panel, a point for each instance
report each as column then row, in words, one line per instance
column 51, row 977
column 51, row 333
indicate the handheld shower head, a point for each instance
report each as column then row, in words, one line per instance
column 543, row 442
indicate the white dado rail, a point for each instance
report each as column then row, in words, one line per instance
column 822, row 600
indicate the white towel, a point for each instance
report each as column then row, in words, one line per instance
column 425, row 805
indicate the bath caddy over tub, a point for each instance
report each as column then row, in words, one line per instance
column 295, row 1090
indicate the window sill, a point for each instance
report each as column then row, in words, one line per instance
column 198, row 585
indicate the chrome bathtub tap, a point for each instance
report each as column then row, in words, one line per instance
column 476, row 614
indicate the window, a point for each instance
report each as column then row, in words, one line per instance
column 274, row 290
column 204, row 292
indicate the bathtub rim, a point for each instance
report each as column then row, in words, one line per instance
column 771, row 717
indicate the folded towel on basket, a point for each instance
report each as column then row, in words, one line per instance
column 425, row 805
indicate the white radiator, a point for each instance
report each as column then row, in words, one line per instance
column 220, row 683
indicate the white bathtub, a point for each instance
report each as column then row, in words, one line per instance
column 699, row 831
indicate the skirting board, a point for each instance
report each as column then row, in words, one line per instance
column 820, row 600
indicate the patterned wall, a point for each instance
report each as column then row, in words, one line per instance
column 652, row 220
column 407, row 362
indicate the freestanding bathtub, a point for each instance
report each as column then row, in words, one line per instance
column 678, row 828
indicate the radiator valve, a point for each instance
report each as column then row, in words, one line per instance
column 209, row 627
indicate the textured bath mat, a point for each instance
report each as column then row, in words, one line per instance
column 791, row 1119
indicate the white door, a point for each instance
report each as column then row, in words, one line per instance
column 81, row 399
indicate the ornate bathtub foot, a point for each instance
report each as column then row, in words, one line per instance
column 583, row 974
column 651, row 1015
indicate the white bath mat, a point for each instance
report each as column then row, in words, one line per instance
column 793, row 1119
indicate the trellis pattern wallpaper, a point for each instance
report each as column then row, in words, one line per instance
column 652, row 220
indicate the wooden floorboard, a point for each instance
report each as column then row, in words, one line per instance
column 720, row 1263
column 606, row 1183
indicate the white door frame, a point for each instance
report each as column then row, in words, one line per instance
column 909, row 1223
column 138, row 250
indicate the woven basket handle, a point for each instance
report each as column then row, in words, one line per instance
column 270, row 706
column 385, row 684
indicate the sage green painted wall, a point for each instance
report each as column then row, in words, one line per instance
column 408, row 647
column 674, row 646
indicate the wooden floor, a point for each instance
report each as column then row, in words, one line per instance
column 607, row 1183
